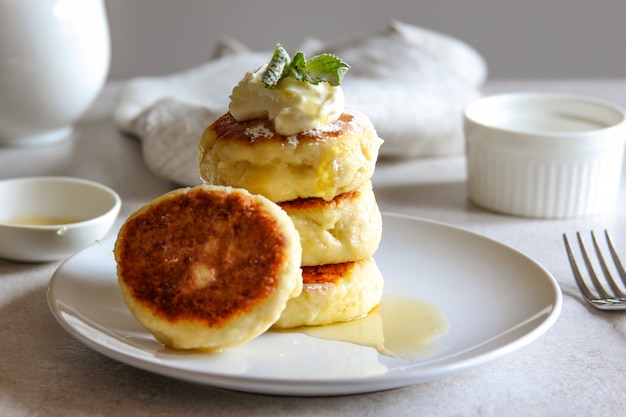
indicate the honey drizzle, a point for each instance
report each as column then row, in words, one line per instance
column 400, row 327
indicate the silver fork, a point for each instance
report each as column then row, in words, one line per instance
column 613, row 298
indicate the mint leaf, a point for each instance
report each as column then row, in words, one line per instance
column 276, row 67
column 321, row 68
column 297, row 67
column 326, row 67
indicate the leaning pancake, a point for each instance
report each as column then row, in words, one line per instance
column 208, row 267
column 322, row 162
column 346, row 228
column 334, row 293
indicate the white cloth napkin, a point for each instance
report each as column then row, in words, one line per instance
column 412, row 82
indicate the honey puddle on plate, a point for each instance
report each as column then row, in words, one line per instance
column 400, row 327
column 39, row 221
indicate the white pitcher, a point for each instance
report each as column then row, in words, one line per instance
column 54, row 60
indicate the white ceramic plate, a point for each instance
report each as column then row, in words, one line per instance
column 495, row 299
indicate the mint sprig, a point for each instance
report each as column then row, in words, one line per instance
column 326, row 67
column 321, row 68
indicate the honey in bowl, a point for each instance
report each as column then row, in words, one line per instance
column 39, row 221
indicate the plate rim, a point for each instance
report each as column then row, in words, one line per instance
column 413, row 373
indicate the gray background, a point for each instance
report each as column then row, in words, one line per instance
column 518, row 38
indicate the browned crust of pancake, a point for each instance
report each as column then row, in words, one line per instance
column 312, row 203
column 329, row 273
column 202, row 255
column 253, row 131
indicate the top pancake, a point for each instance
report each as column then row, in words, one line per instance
column 322, row 163
column 208, row 267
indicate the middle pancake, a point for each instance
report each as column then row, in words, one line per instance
column 346, row 228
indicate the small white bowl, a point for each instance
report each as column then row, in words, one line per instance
column 49, row 218
column 544, row 155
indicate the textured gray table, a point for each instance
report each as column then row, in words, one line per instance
column 577, row 368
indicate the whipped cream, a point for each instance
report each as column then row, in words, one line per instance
column 293, row 106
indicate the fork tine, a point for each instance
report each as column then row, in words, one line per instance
column 618, row 262
column 592, row 273
column 577, row 275
column 617, row 292
column 605, row 300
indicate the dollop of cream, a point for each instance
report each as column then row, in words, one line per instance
column 293, row 106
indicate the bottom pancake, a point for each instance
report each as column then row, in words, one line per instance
column 334, row 293
column 208, row 267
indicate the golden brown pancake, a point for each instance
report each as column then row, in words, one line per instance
column 322, row 162
column 334, row 293
column 346, row 228
column 208, row 267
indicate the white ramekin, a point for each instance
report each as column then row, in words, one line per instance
column 544, row 155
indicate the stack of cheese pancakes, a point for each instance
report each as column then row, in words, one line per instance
column 292, row 141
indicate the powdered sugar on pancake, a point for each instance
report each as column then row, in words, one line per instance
column 258, row 131
column 357, row 121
